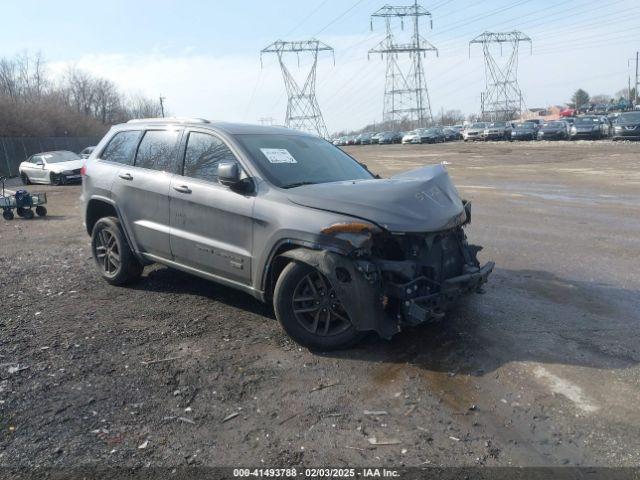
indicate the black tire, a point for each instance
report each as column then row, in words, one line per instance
column 41, row 211
column 25, row 179
column 290, row 282
column 56, row 179
column 21, row 211
column 28, row 214
column 7, row 215
column 115, row 261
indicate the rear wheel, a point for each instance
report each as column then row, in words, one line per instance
column 114, row 258
column 41, row 211
column 28, row 214
column 7, row 214
column 310, row 312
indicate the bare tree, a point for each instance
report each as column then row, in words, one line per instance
column 79, row 104
column 601, row 98
column 142, row 107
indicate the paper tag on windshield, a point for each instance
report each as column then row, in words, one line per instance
column 278, row 155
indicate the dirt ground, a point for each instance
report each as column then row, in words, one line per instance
column 174, row 370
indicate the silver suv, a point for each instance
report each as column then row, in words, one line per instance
column 284, row 216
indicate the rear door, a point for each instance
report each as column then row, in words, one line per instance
column 141, row 191
column 211, row 225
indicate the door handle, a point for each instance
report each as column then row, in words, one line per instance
column 182, row 189
column 126, row 176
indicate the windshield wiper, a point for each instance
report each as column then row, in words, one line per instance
column 297, row 184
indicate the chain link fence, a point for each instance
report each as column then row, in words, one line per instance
column 14, row 150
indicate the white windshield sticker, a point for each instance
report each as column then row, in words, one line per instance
column 278, row 155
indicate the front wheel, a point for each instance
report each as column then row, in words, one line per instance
column 56, row 179
column 7, row 214
column 309, row 310
column 25, row 179
column 114, row 258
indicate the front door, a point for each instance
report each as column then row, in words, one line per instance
column 211, row 225
column 35, row 169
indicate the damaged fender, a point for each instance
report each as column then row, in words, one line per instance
column 362, row 298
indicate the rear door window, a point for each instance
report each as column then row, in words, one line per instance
column 121, row 148
column 203, row 155
column 158, row 150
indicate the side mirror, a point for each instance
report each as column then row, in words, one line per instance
column 228, row 173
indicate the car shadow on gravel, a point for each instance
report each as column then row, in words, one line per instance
column 532, row 316
column 168, row 280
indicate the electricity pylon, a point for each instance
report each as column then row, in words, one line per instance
column 406, row 96
column 303, row 112
column 502, row 98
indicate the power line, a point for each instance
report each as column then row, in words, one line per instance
column 406, row 95
column 303, row 111
column 502, row 98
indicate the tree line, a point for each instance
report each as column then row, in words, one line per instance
column 78, row 104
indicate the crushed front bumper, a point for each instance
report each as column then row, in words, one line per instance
column 385, row 295
column 420, row 309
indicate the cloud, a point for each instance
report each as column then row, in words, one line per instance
column 350, row 93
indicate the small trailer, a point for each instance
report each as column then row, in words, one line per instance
column 23, row 203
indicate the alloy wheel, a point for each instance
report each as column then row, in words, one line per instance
column 107, row 252
column 317, row 308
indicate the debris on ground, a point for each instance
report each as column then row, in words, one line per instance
column 383, row 441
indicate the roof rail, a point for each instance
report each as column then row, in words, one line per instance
column 169, row 120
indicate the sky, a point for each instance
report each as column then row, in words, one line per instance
column 204, row 56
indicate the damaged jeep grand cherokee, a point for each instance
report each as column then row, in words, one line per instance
column 286, row 217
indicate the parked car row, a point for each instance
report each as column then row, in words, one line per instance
column 369, row 138
column 420, row 135
column 618, row 125
column 625, row 125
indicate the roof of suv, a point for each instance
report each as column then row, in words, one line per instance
column 227, row 127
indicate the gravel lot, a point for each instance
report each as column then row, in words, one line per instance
column 541, row 370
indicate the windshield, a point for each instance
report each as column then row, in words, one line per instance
column 57, row 157
column 498, row 124
column 629, row 117
column 555, row 124
column 525, row 126
column 586, row 120
column 478, row 125
column 292, row 160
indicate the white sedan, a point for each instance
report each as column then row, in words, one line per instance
column 55, row 168
column 412, row 137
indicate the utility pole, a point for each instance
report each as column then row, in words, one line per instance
column 502, row 98
column 636, row 91
column 162, row 99
column 406, row 96
column 303, row 111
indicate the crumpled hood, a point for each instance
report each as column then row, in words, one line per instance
column 62, row 166
column 422, row 200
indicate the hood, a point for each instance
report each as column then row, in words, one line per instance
column 61, row 166
column 422, row 200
